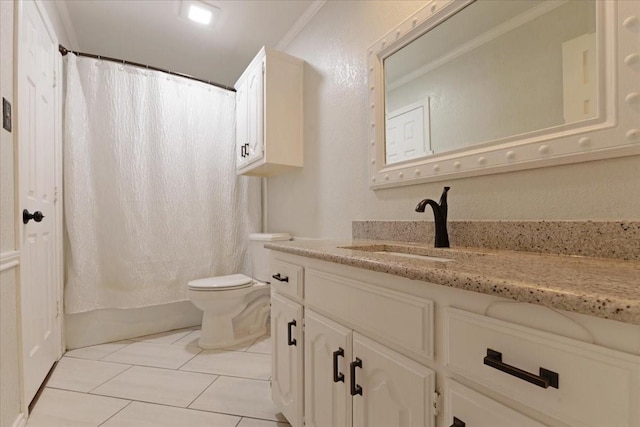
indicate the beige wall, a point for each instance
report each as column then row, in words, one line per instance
column 322, row 199
column 9, row 354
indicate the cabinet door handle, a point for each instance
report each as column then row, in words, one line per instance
column 355, row 388
column 291, row 341
column 457, row 423
column 242, row 150
column 280, row 278
column 546, row 378
column 337, row 376
column 246, row 149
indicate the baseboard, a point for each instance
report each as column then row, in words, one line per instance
column 20, row 421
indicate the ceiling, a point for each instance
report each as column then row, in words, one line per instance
column 152, row 32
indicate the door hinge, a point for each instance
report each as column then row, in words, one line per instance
column 55, row 195
column 57, row 309
column 54, row 77
column 437, row 402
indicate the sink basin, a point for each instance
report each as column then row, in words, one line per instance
column 415, row 252
column 416, row 256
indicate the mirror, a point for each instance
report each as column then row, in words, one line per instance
column 481, row 76
column 473, row 87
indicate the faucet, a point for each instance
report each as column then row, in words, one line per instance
column 440, row 217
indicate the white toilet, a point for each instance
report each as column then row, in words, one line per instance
column 236, row 307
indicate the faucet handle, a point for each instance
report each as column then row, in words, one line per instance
column 443, row 202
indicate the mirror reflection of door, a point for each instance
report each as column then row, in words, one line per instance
column 407, row 133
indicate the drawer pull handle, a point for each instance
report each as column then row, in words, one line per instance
column 355, row 388
column 546, row 378
column 337, row 376
column 280, row 278
column 457, row 423
column 291, row 341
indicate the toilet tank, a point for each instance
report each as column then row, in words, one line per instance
column 260, row 256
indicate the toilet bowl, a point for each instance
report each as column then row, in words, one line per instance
column 235, row 308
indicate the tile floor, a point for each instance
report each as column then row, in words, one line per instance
column 160, row 380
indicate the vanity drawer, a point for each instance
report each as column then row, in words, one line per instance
column 465, row 407
column 399, row 320
column 595, row 386
column 287, row 278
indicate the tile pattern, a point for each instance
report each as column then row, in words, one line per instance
column 601, row 239
column 160, row 380
column 607, row 288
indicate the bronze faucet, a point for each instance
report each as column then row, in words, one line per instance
column 440, row 217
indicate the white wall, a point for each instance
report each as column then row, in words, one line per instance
column 9, row 353
column 322, row 199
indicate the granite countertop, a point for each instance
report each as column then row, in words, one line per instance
column 600, row 287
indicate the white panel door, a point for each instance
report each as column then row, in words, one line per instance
column 326, row 372
column 393, row 391
column 287, row 359
column 36, row 138
column 407, row 133
column 255, row 102
column 579, row 78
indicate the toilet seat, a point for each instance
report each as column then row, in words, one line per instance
column 221, row 283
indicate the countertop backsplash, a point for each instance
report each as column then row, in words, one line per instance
column 602, row 239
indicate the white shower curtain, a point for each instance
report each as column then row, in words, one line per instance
column 151, row 195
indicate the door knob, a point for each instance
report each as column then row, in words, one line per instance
column 36, row 216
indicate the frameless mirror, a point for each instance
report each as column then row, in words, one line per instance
column 471, row 87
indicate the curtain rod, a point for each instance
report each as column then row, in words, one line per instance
column 63, row 50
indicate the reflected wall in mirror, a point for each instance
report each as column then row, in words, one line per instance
column 493, row 70
column 466, row 88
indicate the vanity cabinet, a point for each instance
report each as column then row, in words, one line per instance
column 387, row 351
column 287, row 361
column 351, row 380
column 578, row 383
column 269, row 115
column 465, row 407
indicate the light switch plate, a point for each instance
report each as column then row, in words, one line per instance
column 6, row 114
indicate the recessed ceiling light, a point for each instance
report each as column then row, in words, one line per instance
column 199, row 12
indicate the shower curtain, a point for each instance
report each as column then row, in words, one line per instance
column 151, row 198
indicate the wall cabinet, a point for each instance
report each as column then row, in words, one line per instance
column 377, row 353
column 269, row 115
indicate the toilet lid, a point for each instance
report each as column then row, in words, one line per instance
column 218, row 283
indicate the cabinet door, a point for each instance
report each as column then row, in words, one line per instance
column 241, row 124
column 286, row 379
column 396, row 391
column 255, row 116
column 327, row 352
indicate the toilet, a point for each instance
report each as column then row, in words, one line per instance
column 235, row 308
